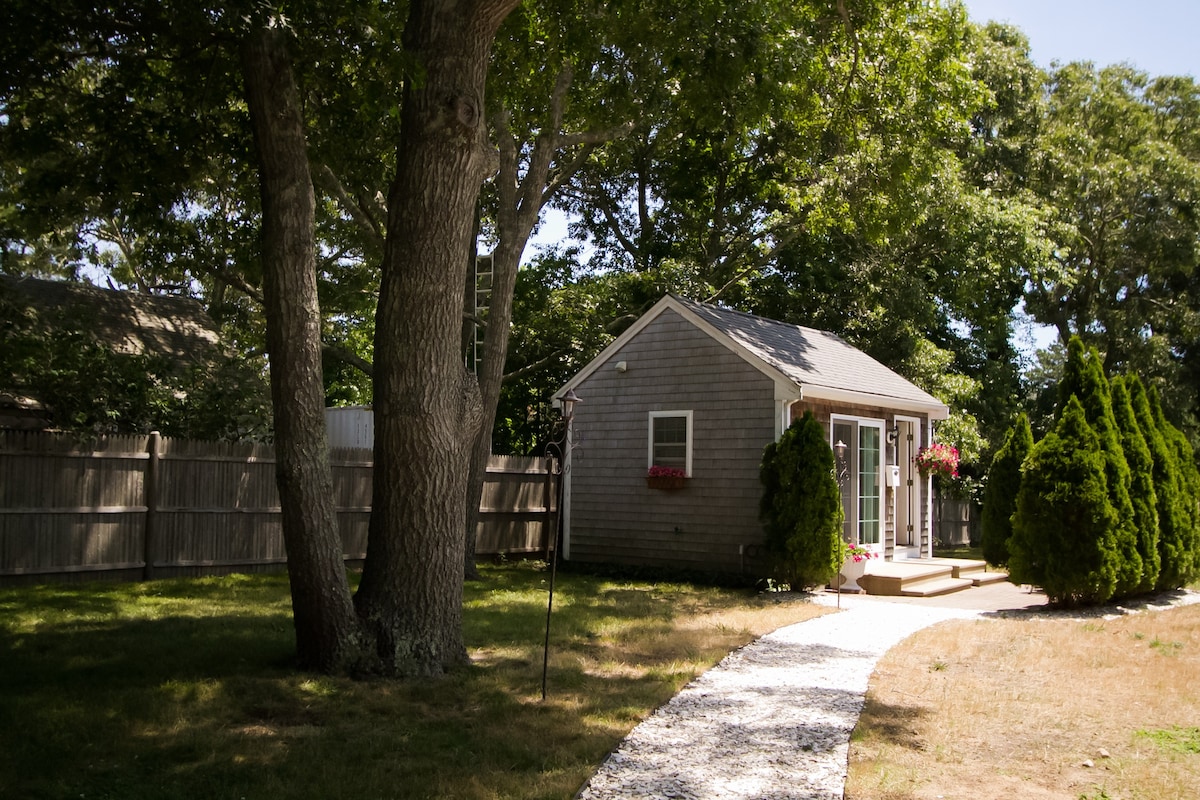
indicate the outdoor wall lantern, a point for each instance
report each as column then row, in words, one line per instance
column 568, row 401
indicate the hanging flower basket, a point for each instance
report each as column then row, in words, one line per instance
column 937, row 459
column 666, row 478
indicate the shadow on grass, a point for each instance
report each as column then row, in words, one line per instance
column 891, row 724
column 185, row 689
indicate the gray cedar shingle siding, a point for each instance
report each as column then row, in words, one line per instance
column 615, row 517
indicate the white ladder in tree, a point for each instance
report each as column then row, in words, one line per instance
column 483, row 300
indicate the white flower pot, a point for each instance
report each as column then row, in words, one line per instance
column 850, row 573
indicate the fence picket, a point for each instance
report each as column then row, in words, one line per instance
column 129, row 507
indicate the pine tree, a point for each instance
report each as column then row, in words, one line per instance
column 1063, row 530
column 1186, row 551
column 1083, row 378
column 1000, row 495
column 1141, row 482
column 801, row 506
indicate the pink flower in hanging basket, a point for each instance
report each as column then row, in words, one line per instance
column 937, row 459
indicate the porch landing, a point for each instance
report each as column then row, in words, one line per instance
column 926, row 577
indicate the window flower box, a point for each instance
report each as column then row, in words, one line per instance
column 666, row 478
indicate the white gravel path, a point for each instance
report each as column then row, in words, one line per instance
column 772, row 721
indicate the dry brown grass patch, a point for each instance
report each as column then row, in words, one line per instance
column 1035, row 708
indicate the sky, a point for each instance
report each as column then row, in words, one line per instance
column 1156, row 36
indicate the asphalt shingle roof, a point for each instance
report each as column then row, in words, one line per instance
column 807, row 356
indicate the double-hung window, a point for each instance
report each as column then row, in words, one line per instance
column 670, row 442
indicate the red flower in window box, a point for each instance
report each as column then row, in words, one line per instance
column 666, row 478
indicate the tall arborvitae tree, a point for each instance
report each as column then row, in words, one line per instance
column 1186, row 535
column 1172, row 516
column 1083, row 378
column 1063, row 536
column 1000, row 496
column 1141, row 482
column 801, row 505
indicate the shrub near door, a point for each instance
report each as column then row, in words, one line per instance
column 801, row 506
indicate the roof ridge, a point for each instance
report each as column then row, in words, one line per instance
column 757, row 317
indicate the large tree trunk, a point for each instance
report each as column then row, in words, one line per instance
column 426, row 404
column 327, row 632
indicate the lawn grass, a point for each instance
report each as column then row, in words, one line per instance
column 185, row 689
column 1049, row 707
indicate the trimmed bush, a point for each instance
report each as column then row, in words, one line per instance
column 801, row 507
column 1185, row 534
column 1165, row 474
column 1000, row 494
column 1083, row 378
column 1142, row 495
column 1063, row 530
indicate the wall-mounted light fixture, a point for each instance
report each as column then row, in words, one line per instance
column 893, row 433
column 622, row 366
column 568, row 401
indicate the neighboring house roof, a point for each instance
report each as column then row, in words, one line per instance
column 805, row 362
column 177, row 327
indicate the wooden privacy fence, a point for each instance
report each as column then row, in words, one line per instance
column 130, row 507
column 957, row 522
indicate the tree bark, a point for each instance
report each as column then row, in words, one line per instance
column 426, row 404
column 327, row 631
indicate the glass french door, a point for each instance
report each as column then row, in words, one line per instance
column 858, row 451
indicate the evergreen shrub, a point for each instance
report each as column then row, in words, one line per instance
column 1000, row 494
column 1084, row 379
column 1142, row 494
column 1063, row 531
column 801, row 508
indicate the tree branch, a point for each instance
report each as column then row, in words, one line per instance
column 327, row 180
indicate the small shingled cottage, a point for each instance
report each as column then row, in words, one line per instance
column 673, row 419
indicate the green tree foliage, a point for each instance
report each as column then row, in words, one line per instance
column 119, row 168
column 1117, row 164
column 1180, row 540
column 801, row 506
column 1063, row 527
column 1000, row 494
column 91, row 388
column 1141, row 482
column 1084, row 379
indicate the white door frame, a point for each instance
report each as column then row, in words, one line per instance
column 909, row 493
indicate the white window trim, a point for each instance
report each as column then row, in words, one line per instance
column 650, row 436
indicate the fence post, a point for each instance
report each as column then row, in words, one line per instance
column 150, row 490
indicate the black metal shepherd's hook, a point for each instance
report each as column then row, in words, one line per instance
column 563, row 448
